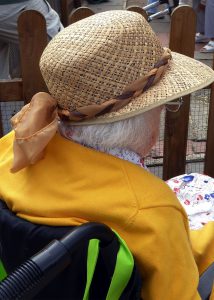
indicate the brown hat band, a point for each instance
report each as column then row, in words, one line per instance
column 133, row 90
column 37, row 122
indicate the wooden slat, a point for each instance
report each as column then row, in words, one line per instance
column 79, row 14
column 175, row 140
column 209, row 155
column 139, row 10
column 182, row 30
column 182, row 40
column 11, row 90
column 33, row 40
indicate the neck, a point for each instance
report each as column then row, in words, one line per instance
column 125, row 154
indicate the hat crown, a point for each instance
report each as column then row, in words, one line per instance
column 94, row 59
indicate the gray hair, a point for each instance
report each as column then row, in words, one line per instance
column 130, row 133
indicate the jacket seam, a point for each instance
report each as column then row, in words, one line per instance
column 184, row 216
column 131, row 219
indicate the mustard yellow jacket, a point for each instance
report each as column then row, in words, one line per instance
column 73, row 185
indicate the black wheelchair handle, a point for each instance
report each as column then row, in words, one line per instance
column 88, row 231
column 32, row 276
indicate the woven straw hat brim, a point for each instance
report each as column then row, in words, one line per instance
column 183, row 76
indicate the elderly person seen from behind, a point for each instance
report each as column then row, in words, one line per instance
column 82, row 146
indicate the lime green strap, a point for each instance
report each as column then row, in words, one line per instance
column 3, row 273
column 122, row 273
column 93, row 251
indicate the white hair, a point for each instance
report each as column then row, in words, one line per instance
column 133, row 133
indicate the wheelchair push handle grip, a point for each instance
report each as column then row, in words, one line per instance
column 170, row 3
column 28, row 279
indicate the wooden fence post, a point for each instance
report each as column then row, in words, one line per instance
column 139, row 10
column 33, row 40
column 66, row 7
column 11, row 90
column 182, row 40
column 79, row 14
column 209, row 155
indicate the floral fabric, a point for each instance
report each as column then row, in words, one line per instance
column 196, row 194
column 126, row 155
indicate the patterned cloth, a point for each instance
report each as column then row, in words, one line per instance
column 126, row 155
column 196, row 194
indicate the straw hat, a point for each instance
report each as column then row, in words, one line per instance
column 105, row 56
column 105, row 68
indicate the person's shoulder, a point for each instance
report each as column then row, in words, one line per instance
column 150, row 190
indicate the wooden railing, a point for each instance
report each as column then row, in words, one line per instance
column 79, row 14
column 182, row 41
column 139, row 10
column 33, row 39
column 209, row 154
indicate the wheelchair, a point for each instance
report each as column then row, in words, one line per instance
column 167, row 10
column 87, row 262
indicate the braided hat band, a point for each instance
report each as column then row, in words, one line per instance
column 133, row 90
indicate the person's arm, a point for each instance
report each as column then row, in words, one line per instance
column 159, row 241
